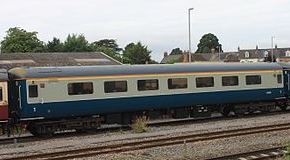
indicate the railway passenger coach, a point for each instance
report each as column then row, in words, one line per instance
column 3, row 95
column 56, row 98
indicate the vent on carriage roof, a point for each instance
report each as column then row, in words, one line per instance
column 16, row 61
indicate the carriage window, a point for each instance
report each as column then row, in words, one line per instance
column 1, row 94
column 42, row 85
column 252, row 80
column 115, row 86
column 230, row 81
column 149, row 84
column 279, row 78
column 80, row 88
column 33, row 91
column 204, row 82
column 177, row 83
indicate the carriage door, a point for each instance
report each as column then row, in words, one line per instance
column 3, row 101
column 287, row 82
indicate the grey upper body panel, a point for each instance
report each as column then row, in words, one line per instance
column 75, row 71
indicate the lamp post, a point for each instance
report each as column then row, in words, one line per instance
column 189, row 36
column 272, row 48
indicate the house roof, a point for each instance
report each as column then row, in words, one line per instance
column 260, row 53
column 172, row 58
column 11, row 60
column 230, row 56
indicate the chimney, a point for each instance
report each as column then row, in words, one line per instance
column 239, row 49
column 276, row 46
column 165, row 54
column 257, row 47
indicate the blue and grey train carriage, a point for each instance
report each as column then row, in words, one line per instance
column 56, row 98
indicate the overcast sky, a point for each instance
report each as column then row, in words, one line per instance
column 159, row 24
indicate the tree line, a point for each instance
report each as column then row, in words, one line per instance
column 18, row 40
column 209, row 43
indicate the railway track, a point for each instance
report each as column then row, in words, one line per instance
column 30, row 138
column 262, row 154
column 161, row 141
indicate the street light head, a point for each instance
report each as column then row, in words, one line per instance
column 190, row 9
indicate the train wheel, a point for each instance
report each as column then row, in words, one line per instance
column 283, row 107
column 226, row 111
column 40, row 131
column 2, row 129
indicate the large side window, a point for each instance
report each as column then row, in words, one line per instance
column 1, row 94
column 279, row 78
column 204, row 82
column 253, row 79
column 177, row 83
column 230, row 81
column 33, row 91
column 115, row 86
column 148, row 84
column 80, row 88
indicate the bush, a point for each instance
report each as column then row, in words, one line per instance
column 140, row 124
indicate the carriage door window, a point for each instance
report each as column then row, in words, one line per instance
column 279, row 78
column 33, row 91
column 1, row 94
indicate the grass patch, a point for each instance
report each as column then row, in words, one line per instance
column 287, row 155
column 140, row 124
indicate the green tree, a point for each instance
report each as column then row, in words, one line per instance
column 109, row 47
column 55, row 45
column 108, row 43
column 176, row 51
column 207, row 43
column 19, row 40
column 76, row 43
column 136, row 54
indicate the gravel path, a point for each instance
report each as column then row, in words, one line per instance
column 195, row 150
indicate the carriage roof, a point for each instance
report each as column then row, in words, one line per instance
column 3, row 75
column 74, row 71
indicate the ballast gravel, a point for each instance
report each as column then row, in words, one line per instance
column 206, row 149
column 198, row 150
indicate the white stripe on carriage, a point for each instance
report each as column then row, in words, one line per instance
column 34, row 118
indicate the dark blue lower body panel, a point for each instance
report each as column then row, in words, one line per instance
column 114, row 105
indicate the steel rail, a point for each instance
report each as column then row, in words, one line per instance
column 261, row 154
